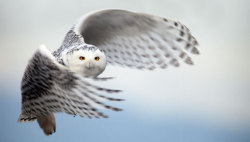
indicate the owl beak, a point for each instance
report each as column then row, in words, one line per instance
column 89, row 65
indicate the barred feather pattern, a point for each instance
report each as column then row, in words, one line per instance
column 49, row 87
column 70, row 41
column 138, row 40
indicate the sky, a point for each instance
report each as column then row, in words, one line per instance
column 205, row 102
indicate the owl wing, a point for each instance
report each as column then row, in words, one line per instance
column 49, row 87
column 138, row 40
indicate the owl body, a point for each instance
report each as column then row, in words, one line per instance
column 59, row 81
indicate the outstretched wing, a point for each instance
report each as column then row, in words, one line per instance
column 137, row 39
column 49, row 87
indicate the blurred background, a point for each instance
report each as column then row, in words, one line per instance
column 207, row 102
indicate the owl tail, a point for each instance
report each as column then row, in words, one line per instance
column 47, row 123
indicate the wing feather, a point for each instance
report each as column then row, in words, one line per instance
column 49, row 87
column 138, row 40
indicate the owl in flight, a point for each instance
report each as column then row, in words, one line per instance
column 60, row 81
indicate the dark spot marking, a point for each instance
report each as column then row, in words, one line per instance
column 44, row 109
column 195, row 51
column 138, row 61
column 182, row 27
column 151, row 68
column 179, row 39
column 100, row 89
column 153, row 39
column 108, row 107
column 141, row 47
column 174, row 62
column 188, row 46
column 137, row 54
column 116, row 109
column 129, row 53
column 110, row 57
column 182, row 55
column 164, row 66
column 195, row 42
column 181, row 33
column 167, row 55
column 129, row 65
column 166, row 20
column 122, row 53
column 139, row 67
column 159, row 62
column 145, row 55
column 161, row 47
column 151, row 47
column 174, row 48
column 156, row 55
column 189, row 61
column 176, row 24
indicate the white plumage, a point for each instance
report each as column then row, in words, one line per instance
column 57, row 82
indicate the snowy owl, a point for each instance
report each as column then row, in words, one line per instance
column 60, row 81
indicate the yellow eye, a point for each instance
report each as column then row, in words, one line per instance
column 82, row 58
column 97, row 58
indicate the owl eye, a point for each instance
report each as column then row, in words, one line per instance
column 82, row 58
column 97, row 58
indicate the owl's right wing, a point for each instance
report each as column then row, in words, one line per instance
column 49, row 87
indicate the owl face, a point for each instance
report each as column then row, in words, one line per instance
column 87, row 61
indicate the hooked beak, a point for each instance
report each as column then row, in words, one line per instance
column 89, row 66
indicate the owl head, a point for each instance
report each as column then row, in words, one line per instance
column 87, row 60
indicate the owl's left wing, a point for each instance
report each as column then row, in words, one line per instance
column 138, row 40
column 49, row 87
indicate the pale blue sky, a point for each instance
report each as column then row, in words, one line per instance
column 205, row 102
